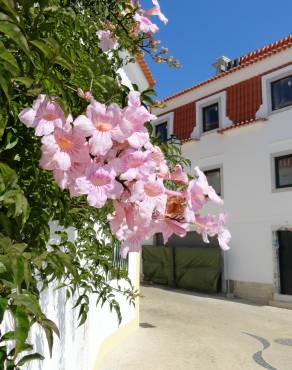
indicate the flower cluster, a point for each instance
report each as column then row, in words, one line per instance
column 107, row 40
column 142, row 17
column 106, row 153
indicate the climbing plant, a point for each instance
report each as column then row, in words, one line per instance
column 52, row 47
column 65, row 54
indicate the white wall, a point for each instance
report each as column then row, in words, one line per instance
column 77, row 348
column 254, row 210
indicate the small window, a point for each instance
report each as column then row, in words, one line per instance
column 283, row 168
column 210, row 117
column 214, row 179
column 161, row 131
column 281, row 93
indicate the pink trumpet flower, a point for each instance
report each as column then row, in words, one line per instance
column 99, row 184
column 101, row 125
column 156, row 11
column 87, row 95
column 202, row 182
column 135, row 165
column 63, row 148
column 144, row 24
column 106, row 40
column 106, row 153
column 44, row 116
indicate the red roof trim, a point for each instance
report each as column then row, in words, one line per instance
column 240, row 124
column 246, row 60
column 235, row 125
column 146, row 70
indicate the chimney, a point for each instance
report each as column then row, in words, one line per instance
column 221, row 64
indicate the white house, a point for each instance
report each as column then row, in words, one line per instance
column 237, row 127
column 83, row 348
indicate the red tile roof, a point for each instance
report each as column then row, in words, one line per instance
column 244, row 61
column 242, row 103
column 145, row 69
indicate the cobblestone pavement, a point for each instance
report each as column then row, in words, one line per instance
column 185, row 331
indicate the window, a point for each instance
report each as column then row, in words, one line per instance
column 281, row 91
column 210, row 117
column 283, row 169
column 214, row 179
column 161, row 131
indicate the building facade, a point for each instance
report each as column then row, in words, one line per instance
column 237, row 127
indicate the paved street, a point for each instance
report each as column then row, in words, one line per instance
column 185, row 331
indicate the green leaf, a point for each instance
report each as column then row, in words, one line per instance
column 34, row 356
column 16, row 204
column 3, row 84
column 26, row 81
column 63, row 63
column 29, row 301
column 11, row 30
column 11, row 141
column 9, row 5
column 67, row 262
column 3, row 352
column 3, row 305
column 10, row 335
column 8, row 57
column 3, row 122
column 8, row 175
column 21, row 329
column 50, row 339
column 18, row 271
column 51, row 325
column 35, row 91
column 2, row 268
column 27, row 273
column 44, row 48
column 8, row 227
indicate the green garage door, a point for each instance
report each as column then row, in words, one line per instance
column 158, row 264
column 198, row 268
column 193, row 268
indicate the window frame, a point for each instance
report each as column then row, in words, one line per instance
column 224, row 121
column 265, row 109
column 273, row 157
column 277, row 173
column 203, row 117
column 168, row 117
column 272, row 84
column 160, row 124
column 216, row 169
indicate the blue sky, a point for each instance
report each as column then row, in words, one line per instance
column 199, row 31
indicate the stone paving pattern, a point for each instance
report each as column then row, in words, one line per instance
column 186, row 331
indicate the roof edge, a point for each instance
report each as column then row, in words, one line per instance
column 146, row 70
column 246, row 60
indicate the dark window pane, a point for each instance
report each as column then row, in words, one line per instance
column 213, row 177
column 281, row 93
column 161, row 130
column 283, row 167
column 210, row 117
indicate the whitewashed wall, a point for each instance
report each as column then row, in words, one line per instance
column 77, row 348
column 254, row 209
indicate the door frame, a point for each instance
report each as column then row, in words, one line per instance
column 276, row 264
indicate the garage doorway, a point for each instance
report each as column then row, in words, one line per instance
column 285, row 261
